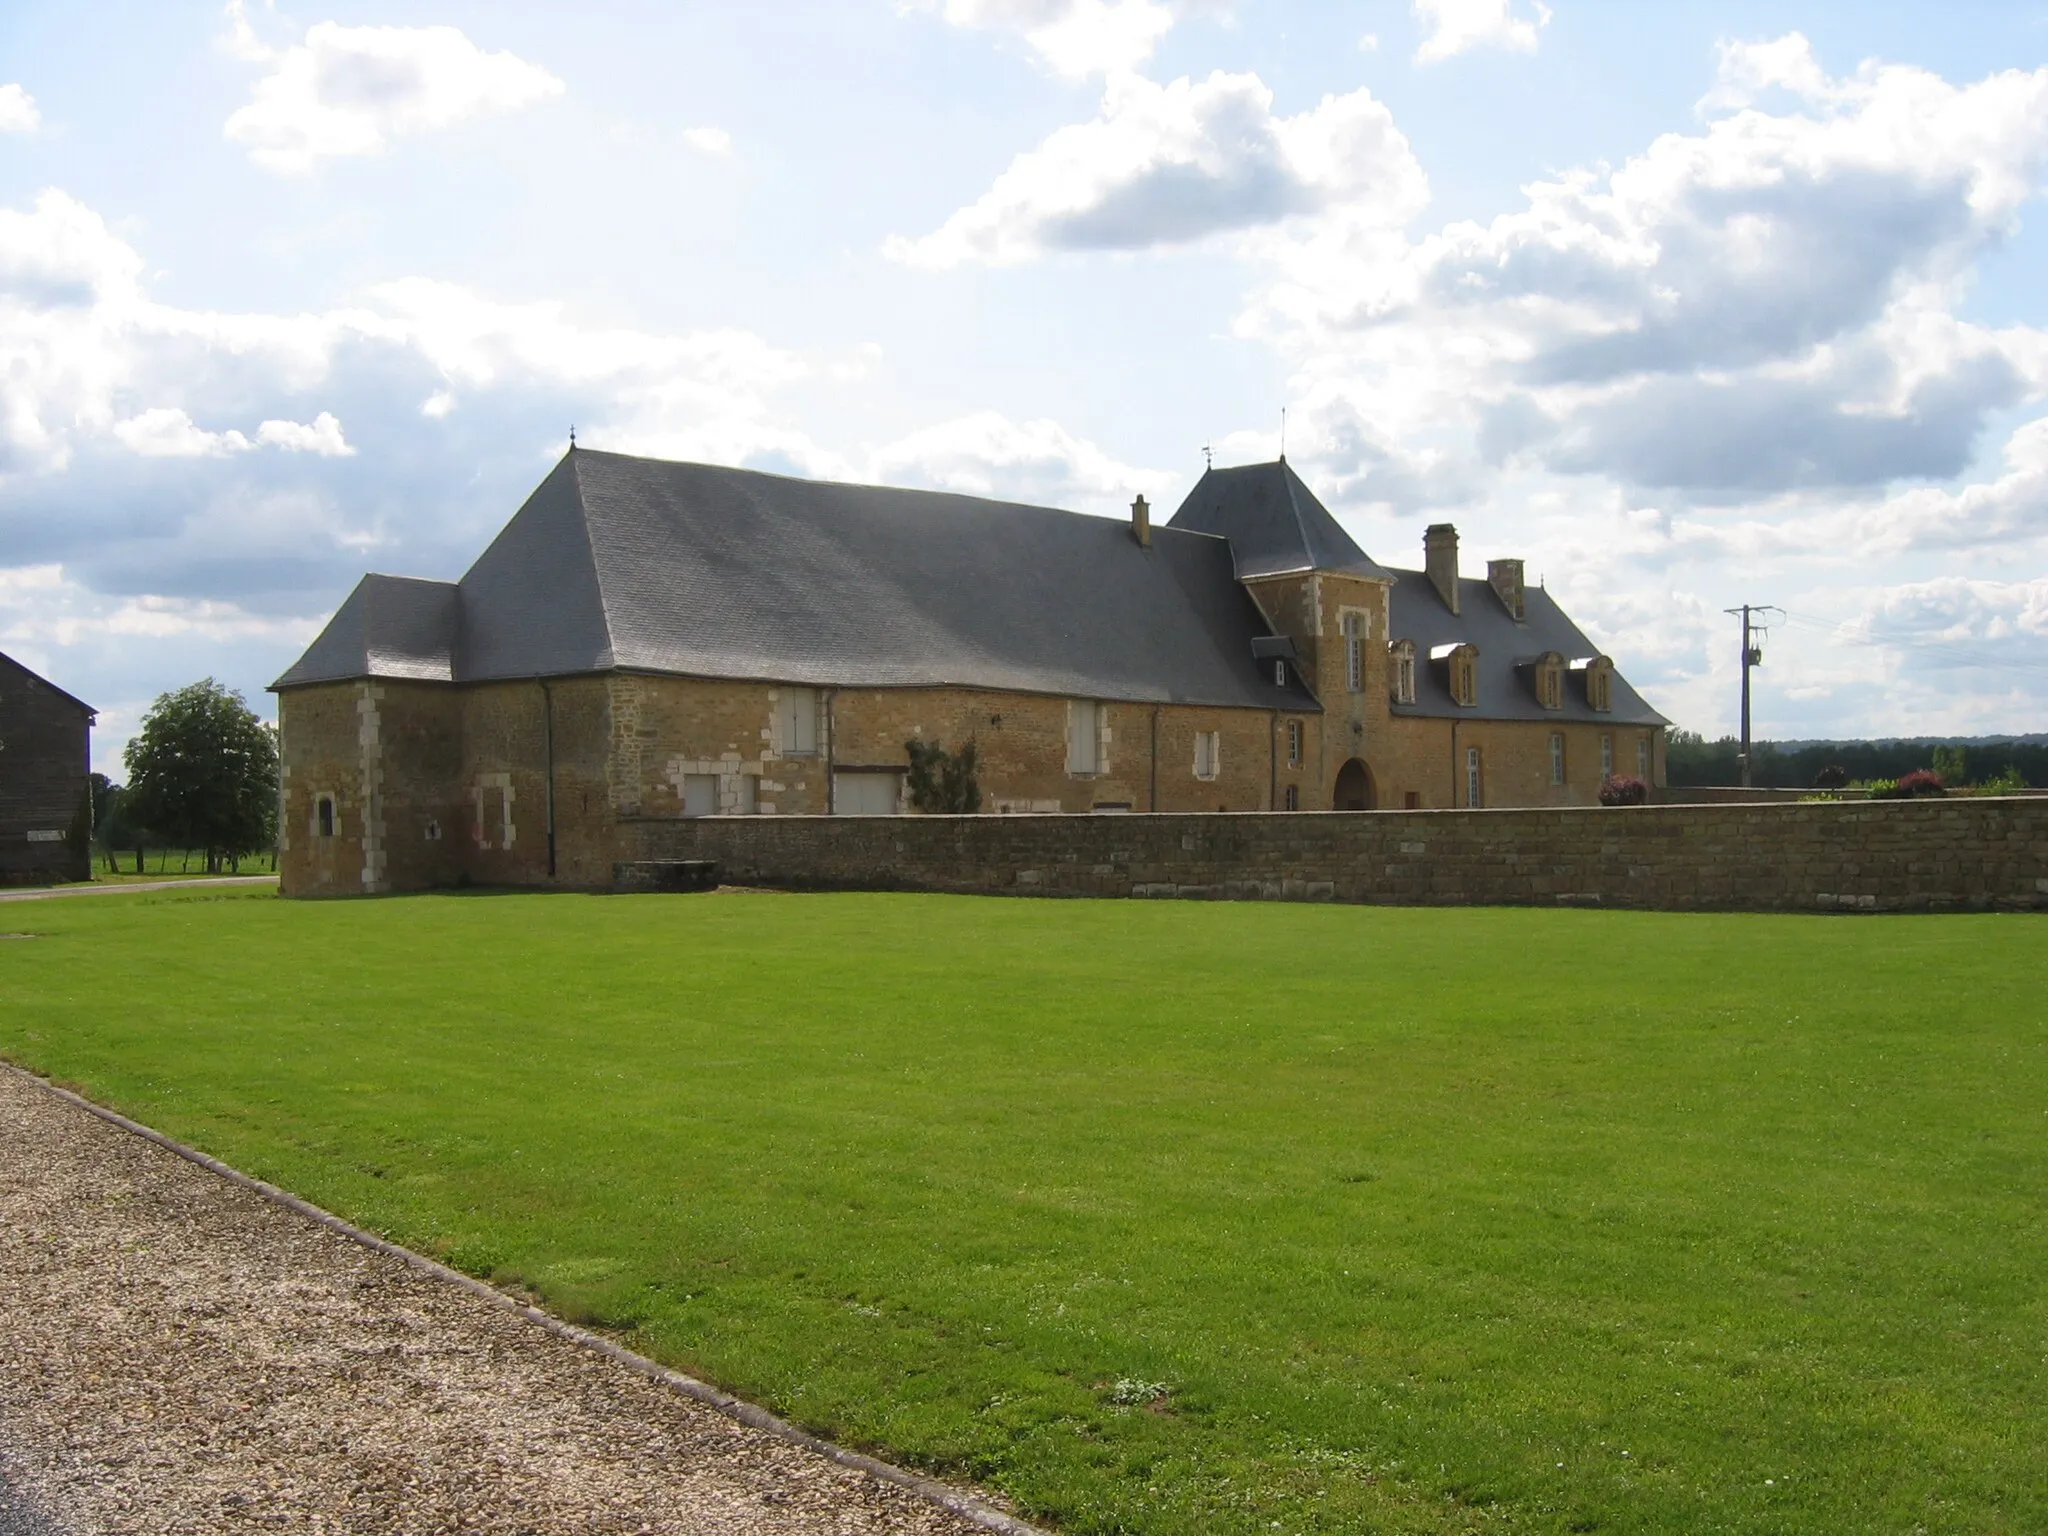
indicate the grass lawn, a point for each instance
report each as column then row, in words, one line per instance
column 1179, row 1217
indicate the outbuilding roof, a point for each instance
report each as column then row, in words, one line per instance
column 633, row 564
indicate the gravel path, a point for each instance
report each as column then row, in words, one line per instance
column 45, row 892
column 178, row 1354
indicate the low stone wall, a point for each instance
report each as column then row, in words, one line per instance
column 1874, row 856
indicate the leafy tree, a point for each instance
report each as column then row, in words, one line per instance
column 942, row 783
column 1952, row 764
column 203, row 772
column 113, row 831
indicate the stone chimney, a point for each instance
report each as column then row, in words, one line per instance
column 1141, row 523
column 1440, row 560
column 1505, row 577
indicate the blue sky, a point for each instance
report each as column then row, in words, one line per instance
column 1686, row 304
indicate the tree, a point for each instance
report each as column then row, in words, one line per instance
column 203, row 772
column 942, row 783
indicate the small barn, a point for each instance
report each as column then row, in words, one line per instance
column 45, row 780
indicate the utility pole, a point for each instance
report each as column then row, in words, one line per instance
column 1752, row 656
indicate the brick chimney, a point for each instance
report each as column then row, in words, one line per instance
column 1440, row 560
column 1141, row 522
column 1505, row 577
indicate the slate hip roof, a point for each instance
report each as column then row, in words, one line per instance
column 618, row 563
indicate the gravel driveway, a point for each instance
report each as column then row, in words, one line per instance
column 178, row 1354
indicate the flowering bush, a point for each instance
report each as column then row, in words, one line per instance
column 1921, row 781
column 1616, row 789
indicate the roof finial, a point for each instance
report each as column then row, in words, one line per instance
column 1283, row 434
column 572, row 434
column 1208, row 458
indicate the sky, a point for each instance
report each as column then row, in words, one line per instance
column 1687, row 305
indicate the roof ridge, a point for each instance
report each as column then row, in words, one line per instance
column 604, row 604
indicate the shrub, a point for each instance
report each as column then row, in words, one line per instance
column 1616, row 789
column 1921, row 781
column 1834, row 776
column 943, row 783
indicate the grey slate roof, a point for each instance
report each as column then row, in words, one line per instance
column 1273, row 521
column 638, row 564
column 390, row 626
column 1505, row 646
column 43, row 682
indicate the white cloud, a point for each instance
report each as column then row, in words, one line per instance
column 1039, row 462
column 166, row 432
column 710, row 141
column 1174, row 164
column 18, row 112
column 349, row 90
column 1763, row 305
column 1074, row 38
column 1458, row 25
column 321, row 436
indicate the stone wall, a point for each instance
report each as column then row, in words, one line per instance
column 1879, row 856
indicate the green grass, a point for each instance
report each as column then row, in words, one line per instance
column 1422, row 1220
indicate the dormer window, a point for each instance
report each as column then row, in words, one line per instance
column 1402, row 654
column 1596, row 678
column 1279, row 674
column 1547, row 673
column 1460, row 665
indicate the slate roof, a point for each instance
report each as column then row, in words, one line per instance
column 1274, row 522
column 622, row 563
column 43, row 682
column 1505, row 646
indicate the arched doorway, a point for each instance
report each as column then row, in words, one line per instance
column 1355, row 790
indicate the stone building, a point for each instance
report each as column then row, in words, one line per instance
column 652, row 640
column 45, row 780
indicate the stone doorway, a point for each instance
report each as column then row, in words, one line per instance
column 1355, row 789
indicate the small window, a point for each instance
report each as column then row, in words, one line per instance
column 1473, row 786
column 1279, row 674
column 1294, row 743
column 748, row 789
column 1404, row 671
column 1411, row 800
column 1550, row 682
column 1292, row 800
column 1643, row 758
column 1084, row 737
column 1354, row 652
column 325, row 813
column 796, row 721
column 1606, row 756
column 1208, row 753
column 1557, row 757
column 700, row 794
column 433, row 830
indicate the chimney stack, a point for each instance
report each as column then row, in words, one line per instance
column 1505, row 577
column 1141, row 523
column 1440, row 560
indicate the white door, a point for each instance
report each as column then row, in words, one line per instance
column 864, row 794
column 700, row 794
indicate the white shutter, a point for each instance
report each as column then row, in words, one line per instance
column 864, row 794
column 796, row 721
column 1084, row 736
column 700, row 794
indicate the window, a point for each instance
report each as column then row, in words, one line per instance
column 1557, row 757
column 1208, row 753
column 1472, row 783
column 1606, row 756
column 1643, row 758
column 700, row 794
column 1294, row 743
column 1461, row 672
column 796, row 722
column 433, row 830
column 748, row 787
column 1084, row 736
column 1403, row 652
column 1598, row 672
column 1292, row 800
column 1411, row 800
column 1550, row 680
column 1354, row 652
column 1279, row 674
column 324, row 815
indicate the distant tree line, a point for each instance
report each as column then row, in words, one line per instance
column 202, row 776
column 1691, row 759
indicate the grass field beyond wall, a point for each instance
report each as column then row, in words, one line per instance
column 1176, row 1217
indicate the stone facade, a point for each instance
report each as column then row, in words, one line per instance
column 1879, row 856
column 45, row 781
column 528, row 783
